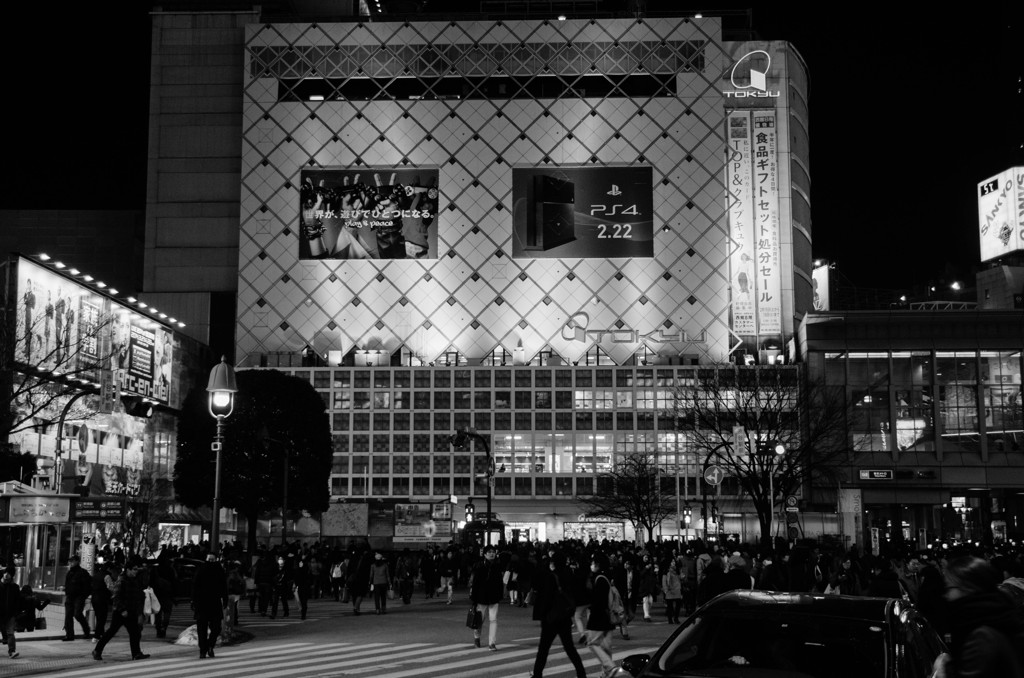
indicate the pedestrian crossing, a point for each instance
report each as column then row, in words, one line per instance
column 341, row 660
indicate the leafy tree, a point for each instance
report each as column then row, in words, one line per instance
column 631, row 491
column 736, row 417
column 274, row 415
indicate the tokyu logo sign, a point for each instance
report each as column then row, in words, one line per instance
column 749, row 77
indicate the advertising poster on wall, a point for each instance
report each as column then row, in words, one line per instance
column 768, row 266
column 820, row 282
column 66, row 328
column 1001, row 214
column 50, row 332
column 584, row 212
column 141, row 356
column 368, row 213
column 741, row 223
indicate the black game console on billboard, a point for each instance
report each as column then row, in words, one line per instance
column 550, row 215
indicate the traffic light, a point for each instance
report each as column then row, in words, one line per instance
column 687, row 514
column 137, row 406
column 470, row 512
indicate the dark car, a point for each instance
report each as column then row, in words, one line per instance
column 761, row 634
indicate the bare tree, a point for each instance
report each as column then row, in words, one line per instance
column 765, row 426
column 631, row 491
column 38, row 378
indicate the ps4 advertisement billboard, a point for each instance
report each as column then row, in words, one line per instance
column 582, row 212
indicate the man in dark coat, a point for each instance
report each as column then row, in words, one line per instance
column 486, row 590
column 127, row 601
column 987, row 634
column 11, row 605
column 554, row 610
column 264, row 572
column 209, row 598
column 77, row 587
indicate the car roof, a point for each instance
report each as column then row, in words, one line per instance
column 879, row 610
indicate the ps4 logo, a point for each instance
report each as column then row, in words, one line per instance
column 615, row 190
column 757, row 77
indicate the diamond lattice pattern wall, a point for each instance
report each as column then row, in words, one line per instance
column 475, row 297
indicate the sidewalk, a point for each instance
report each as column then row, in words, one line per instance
column 43, row 652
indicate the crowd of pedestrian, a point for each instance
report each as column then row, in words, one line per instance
column 582, row 593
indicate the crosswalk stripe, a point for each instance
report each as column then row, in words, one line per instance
column 589, row 660
column 239, row 660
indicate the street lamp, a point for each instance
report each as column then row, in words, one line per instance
column 222, row 389
column 768, row 454
column 459, row 440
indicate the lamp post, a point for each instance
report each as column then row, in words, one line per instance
column 222, row 389
column 767, row 453
column 459, row 440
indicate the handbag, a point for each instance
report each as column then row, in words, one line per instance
column 391, row 593
column 474, row 619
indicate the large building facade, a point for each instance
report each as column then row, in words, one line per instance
column 528, row 227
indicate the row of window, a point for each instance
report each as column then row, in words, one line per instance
column 501, row 400
column 483, row 377
column 422, row 486
column 504, row 421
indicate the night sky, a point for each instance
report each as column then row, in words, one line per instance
column 908, row 112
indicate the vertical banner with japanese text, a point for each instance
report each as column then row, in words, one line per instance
column 766, row 223
column 741, row 223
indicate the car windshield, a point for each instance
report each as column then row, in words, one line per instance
column 738, row 643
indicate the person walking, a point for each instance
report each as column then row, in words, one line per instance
column 486, row 589
column 554, row 609
column 358, row 580
column 282, row 587
column 672, row 585
column 580, row 592
column 625, row 580
column 303, row 578
column 403, row 578
column 447, row 569
column 264, row 572
column 600, row 624
column 380, row 583
column 103, row 579
column 126, row 607
column 11, row 605
column 162, row 584
column 986, row 632
column 209, row 598
column 647, row 587
column 77, row 587
column 236, row 589
column 337, row 577
column 427, row 573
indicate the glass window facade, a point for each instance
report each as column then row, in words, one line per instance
column 544, row 442
column 929, row 401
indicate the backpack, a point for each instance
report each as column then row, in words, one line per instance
column 616, row 611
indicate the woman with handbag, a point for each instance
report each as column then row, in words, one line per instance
column 554, row 609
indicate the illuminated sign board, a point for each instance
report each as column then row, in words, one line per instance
column 820, row 281
column 368, row 213
column 876, row 474
column 752, row 176
column 1001, row 214
column 582, row 212
column 99, row 509
column 38, row 509
column 67, row 328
